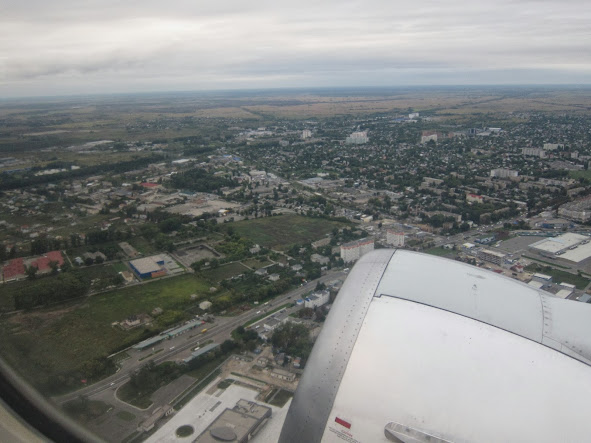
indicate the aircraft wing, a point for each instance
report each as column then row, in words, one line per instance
column 417, row 348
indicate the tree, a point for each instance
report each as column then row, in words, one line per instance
column 54, row 267
column 31, row 272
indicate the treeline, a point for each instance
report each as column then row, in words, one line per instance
column 50, row 290
column 250, row 288
column 199, row 180
column 91, row 370
column 17, row 181
column 293, row 339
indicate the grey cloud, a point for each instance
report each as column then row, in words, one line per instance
column 198, row 44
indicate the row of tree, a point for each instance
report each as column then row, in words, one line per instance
column 50, row 290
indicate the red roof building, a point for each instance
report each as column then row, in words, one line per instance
column 42, row 263
column 14, row 269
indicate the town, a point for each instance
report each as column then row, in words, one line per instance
column 182, row 261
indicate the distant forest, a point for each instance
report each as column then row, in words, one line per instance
column 199, row 180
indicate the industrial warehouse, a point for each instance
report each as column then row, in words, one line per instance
column 155, row 266
column 572, row 247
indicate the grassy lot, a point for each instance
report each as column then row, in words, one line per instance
column 85, row 410
column 579, row 174
column 142, row 245
column 224, row 272
column 51, row 343
column 440, row 252
column 125, row 416
column 281, row 398
column 255, row 263
column 120, row 267
column 282, row 231
column 559, row 276
column 546, row 262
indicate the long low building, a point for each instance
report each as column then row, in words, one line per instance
column 148, row 343
column 569, row 246
column 489, row 255
column 199, row 352
column 184, row 328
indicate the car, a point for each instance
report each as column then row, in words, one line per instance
column 172, row 347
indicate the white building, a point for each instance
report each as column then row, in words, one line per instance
column 395, row 238
column 354, row 250
column 316, row 299
column 503, row 173
column 426, row 137
column 491, row 256
column 579, row 210
column 534, row 152
column 413, row 115
column 306, row 133
column 357, row 138
column 552, row 146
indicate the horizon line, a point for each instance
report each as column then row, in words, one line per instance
column 302, row 89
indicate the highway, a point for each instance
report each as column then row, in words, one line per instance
column 219, row 331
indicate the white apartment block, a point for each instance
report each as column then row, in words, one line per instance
column 317, row 298
column 426, row 138
column 354, row 250
column 395, row 238
column 357, row 138
column 534, row 152
column 503, row 173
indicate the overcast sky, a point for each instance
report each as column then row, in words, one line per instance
column 67, row 47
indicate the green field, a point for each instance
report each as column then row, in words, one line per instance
column 224, row 271
column 255, row 263
column 120, row 267
column 51, row 343
column 282, row 231
column 440, row 252
column 559, row 276
column 580, row 174
column 142, row 245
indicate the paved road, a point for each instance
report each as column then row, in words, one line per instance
column 219, row 331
